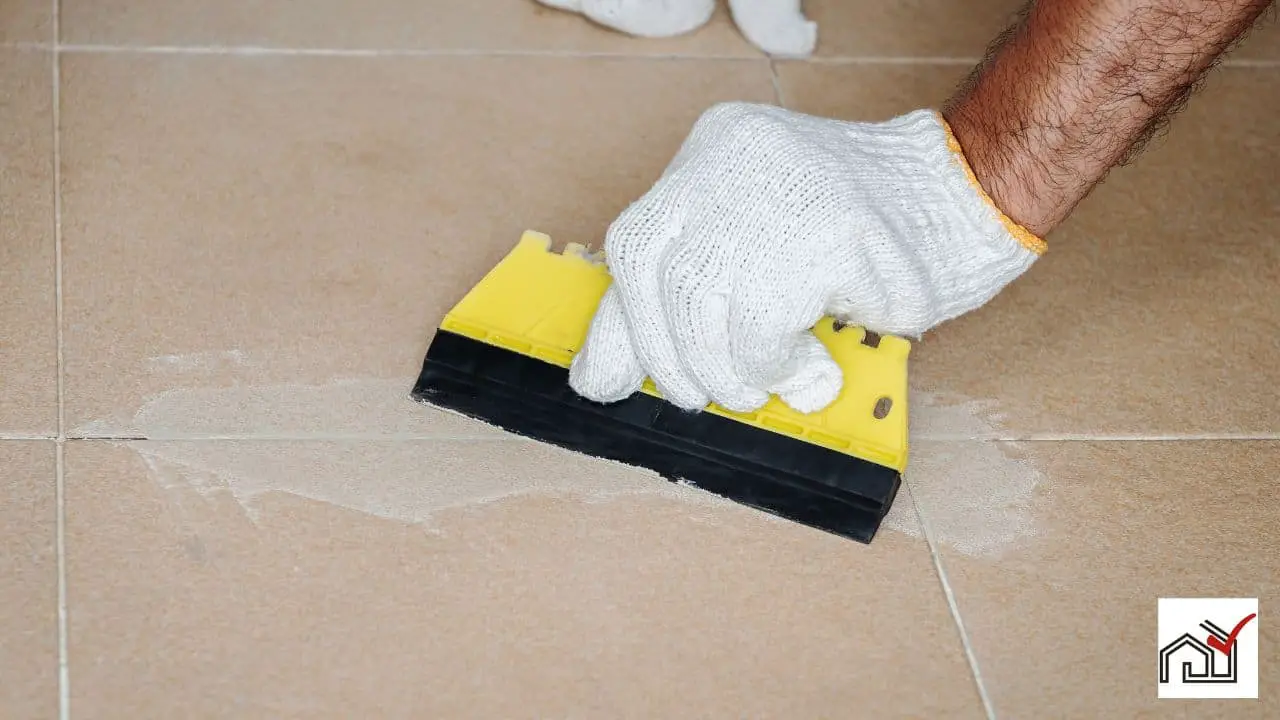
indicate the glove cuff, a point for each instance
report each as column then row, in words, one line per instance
column 946, row 247
column 1025, row 237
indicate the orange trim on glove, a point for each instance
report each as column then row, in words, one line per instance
column 1025, row 237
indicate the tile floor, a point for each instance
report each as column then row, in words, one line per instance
column 219, row 274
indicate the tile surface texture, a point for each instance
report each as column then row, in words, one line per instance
column 1116, row 526
column 1153, row 311
column 934, row 29
column 487, row 25
column 28, row 331
column 267, row 210
column 331, row 214
column 26, row 21
column 29, row 591
column 1262, row 42
column 395, row 579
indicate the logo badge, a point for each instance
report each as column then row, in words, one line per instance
column 1207, row 648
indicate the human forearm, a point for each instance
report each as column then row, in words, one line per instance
column 1077, row 87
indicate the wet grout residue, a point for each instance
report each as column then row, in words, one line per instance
column 412, row 461
column 978, row 497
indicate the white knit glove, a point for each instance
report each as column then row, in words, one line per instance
column 765, row 221
column 778, row 27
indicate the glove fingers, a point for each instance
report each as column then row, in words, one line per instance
column 701, row 329
column 814, row 379
column 642, row 235
column 606, row 369
column 777, row 352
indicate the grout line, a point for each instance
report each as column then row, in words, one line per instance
column 1247, row 63
column 317, row 437
column 26, row 45
column 259, row 50
column 64, row 675
column 60, row 474
column 953, row 606
column 416, row 437
column 57, row 230
column 1085, row 437
column 777, row 84
column 256, row 50
column 892, row 60
column 969, row 61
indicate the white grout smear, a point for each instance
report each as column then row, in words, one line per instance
column 201, row 362
column 406, row 481
column 411, row 461
column 946, row 416
column 353, row 409
column 977, row 496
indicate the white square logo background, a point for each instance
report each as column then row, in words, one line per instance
column 1178, row 616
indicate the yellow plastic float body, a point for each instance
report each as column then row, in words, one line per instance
column 539, row 303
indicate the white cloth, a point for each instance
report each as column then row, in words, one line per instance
column 765, row 221
column 777, row 27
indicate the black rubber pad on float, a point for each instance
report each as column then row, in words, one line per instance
column 793, row 479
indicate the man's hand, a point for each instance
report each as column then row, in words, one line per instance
column 768, row 219
column 765, row 221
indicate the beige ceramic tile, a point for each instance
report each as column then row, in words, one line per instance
column 29, row 590
column 266, row 245
column 922, row 29
column 26, row 21
column 28, row 330
column 502, row 25
column 865, row 92
column 1263, row 41
column 1153, row 311
column 1061, row 612
column 446, row 579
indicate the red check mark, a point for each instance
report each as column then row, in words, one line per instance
column 1225, row 647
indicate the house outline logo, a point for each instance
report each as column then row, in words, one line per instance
column 1197, row 657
